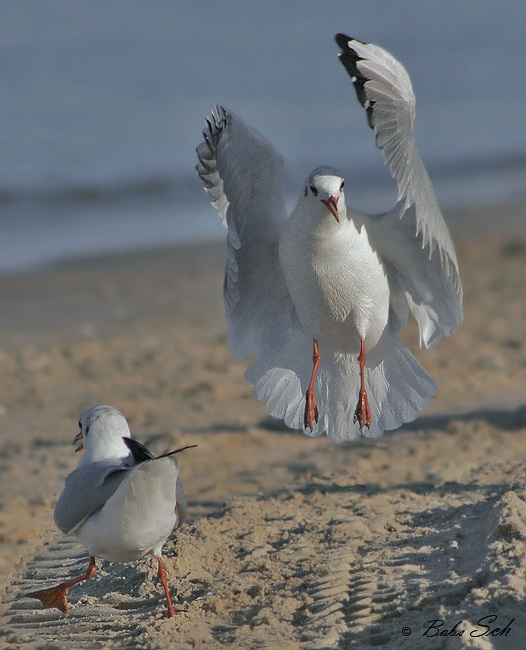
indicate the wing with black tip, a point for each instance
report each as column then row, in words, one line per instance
column 412, row 239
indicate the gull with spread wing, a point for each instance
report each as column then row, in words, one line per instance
column 320, row 296
column 121, row 503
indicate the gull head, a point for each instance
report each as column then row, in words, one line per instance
column 102, row 429
column 326, row 184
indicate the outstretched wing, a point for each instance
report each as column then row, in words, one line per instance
column 243, row 174
column 413, row 239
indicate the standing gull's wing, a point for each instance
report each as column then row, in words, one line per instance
column 243, row 174
column 87, row 489
column 384, row 89
column 142, row 454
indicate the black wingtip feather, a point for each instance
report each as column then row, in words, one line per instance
column 139, row 452
column 176, row 451
column 343, row 40
column 349, row 59
column 215, row 123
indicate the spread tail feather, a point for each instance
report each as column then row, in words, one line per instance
column 398, row 388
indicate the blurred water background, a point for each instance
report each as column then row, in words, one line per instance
column 102, row 105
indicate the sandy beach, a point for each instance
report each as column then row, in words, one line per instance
column 291, row 542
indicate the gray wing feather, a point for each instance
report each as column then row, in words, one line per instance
column 417, row 282
column 87, row 489
column 181, row 507
column 243, row 174
column 425, row 268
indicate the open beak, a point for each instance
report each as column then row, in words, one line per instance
column 332, row 205
column 78, row 439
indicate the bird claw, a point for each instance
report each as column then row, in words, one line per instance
column 311, row 412
column 53, row 597
column 362, row 415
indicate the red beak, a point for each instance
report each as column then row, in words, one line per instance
column 78, row 438
column 332, row 204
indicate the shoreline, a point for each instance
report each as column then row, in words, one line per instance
column 467, row 222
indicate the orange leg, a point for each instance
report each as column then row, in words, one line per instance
column 363, row 412
column 311, row 409
column 58, row 596
column 162, row 577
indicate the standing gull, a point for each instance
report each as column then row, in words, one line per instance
column 121, row 502
column 319, row 297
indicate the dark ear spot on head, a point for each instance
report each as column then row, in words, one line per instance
column 305, row 190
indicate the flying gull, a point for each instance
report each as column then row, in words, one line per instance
column 319, row 296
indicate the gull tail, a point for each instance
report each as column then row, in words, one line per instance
column 398, row 388
column 280, row 376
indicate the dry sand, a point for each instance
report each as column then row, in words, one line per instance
column 292, row 542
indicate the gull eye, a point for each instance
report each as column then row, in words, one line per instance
column 314, row 190
column 342, row 186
